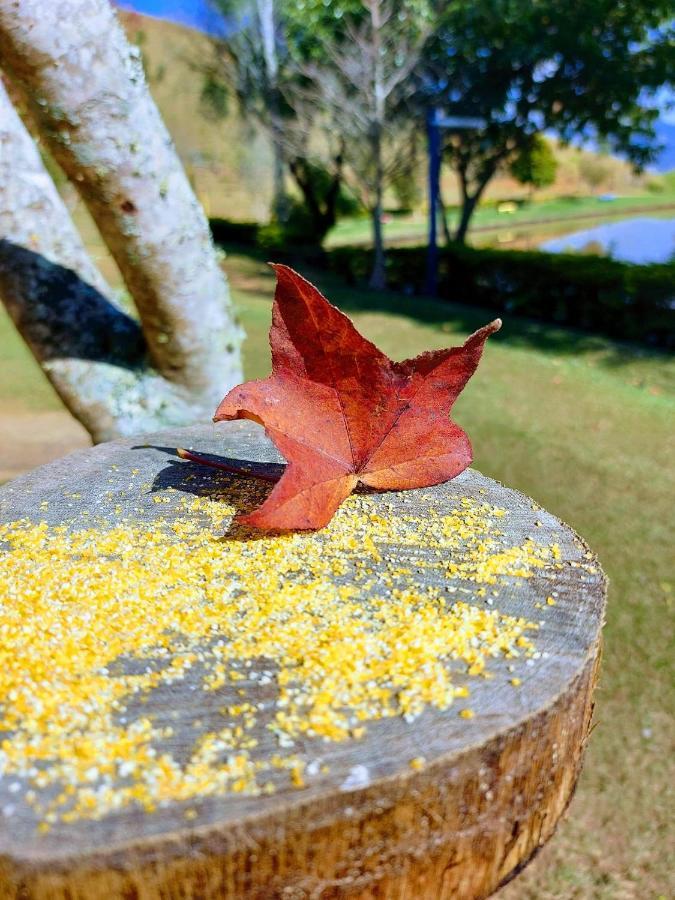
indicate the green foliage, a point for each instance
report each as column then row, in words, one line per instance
column 668, row 179
column 320, row 181
column 589, row 67
column 656, row 186
column 295, row 231
column 406, row 188
column 535, row 164
column 587, row 292
column 312, row 23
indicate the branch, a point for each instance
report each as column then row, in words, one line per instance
column 103, row 129
column 91, row 351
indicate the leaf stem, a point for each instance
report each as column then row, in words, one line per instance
column 224, row 467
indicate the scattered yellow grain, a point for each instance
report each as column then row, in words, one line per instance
column 331, row 627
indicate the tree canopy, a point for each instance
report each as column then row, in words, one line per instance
column 584, row 69
column 346, row 85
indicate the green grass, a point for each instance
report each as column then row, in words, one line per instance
column 22, row 384
column 564, row 210
column 585, row 427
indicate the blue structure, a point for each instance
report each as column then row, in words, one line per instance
column 435, row 122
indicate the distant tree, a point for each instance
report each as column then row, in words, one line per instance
column 342, row 73
column 593, row 170
column 249, row 63
column 357, row 59
column 406, row 183
column 116, row 373
column 324, row 196
column 254, row 65
column 585, row 68
column 535, row 165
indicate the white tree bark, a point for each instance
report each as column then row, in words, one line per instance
column 93, row 353
column 86, row 90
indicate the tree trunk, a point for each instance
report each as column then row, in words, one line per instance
column 86, row 90
column 92, row 352
column 468, row 207
column 266, row 18
column 378, row 278
column 470, row 201
column 451, row 825
column 444, row 219
column 322, row 210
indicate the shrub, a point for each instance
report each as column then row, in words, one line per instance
column 536, row 164
column 593, row 293
column 617, row 299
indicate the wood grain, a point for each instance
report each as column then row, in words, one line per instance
column 490, row 795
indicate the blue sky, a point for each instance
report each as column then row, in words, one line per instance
column 196, row 13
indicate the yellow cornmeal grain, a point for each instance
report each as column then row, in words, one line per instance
column 95, row 616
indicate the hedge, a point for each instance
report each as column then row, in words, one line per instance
column 593, row 293
column 620, row 300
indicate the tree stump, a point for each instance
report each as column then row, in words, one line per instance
column 434, row 799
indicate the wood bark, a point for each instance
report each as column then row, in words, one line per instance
column 489, row 796
column 93, row 353
column 86, row 90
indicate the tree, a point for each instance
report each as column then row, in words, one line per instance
column 535, row 164
column 103, row 129
column 344, row 72
column 588, row 68
column 358, row 58
column 253, row 63
column 249, row 63
column 593, row 170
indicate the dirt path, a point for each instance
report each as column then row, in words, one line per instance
column 29, row 439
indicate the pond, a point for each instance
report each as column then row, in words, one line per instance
column 643, row 240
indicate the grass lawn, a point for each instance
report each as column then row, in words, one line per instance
column 585, row 427
column 549, row 216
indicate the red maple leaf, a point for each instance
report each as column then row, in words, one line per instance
column 340, row 411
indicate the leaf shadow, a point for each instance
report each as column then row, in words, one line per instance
column 242, row 491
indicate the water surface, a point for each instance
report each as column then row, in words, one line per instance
column 642, row 240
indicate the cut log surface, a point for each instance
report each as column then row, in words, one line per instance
column 431, row 805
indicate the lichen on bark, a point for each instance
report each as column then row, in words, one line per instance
column 86, row 92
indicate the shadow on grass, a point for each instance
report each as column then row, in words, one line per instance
column 519, row 332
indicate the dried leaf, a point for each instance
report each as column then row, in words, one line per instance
column 342, row 412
